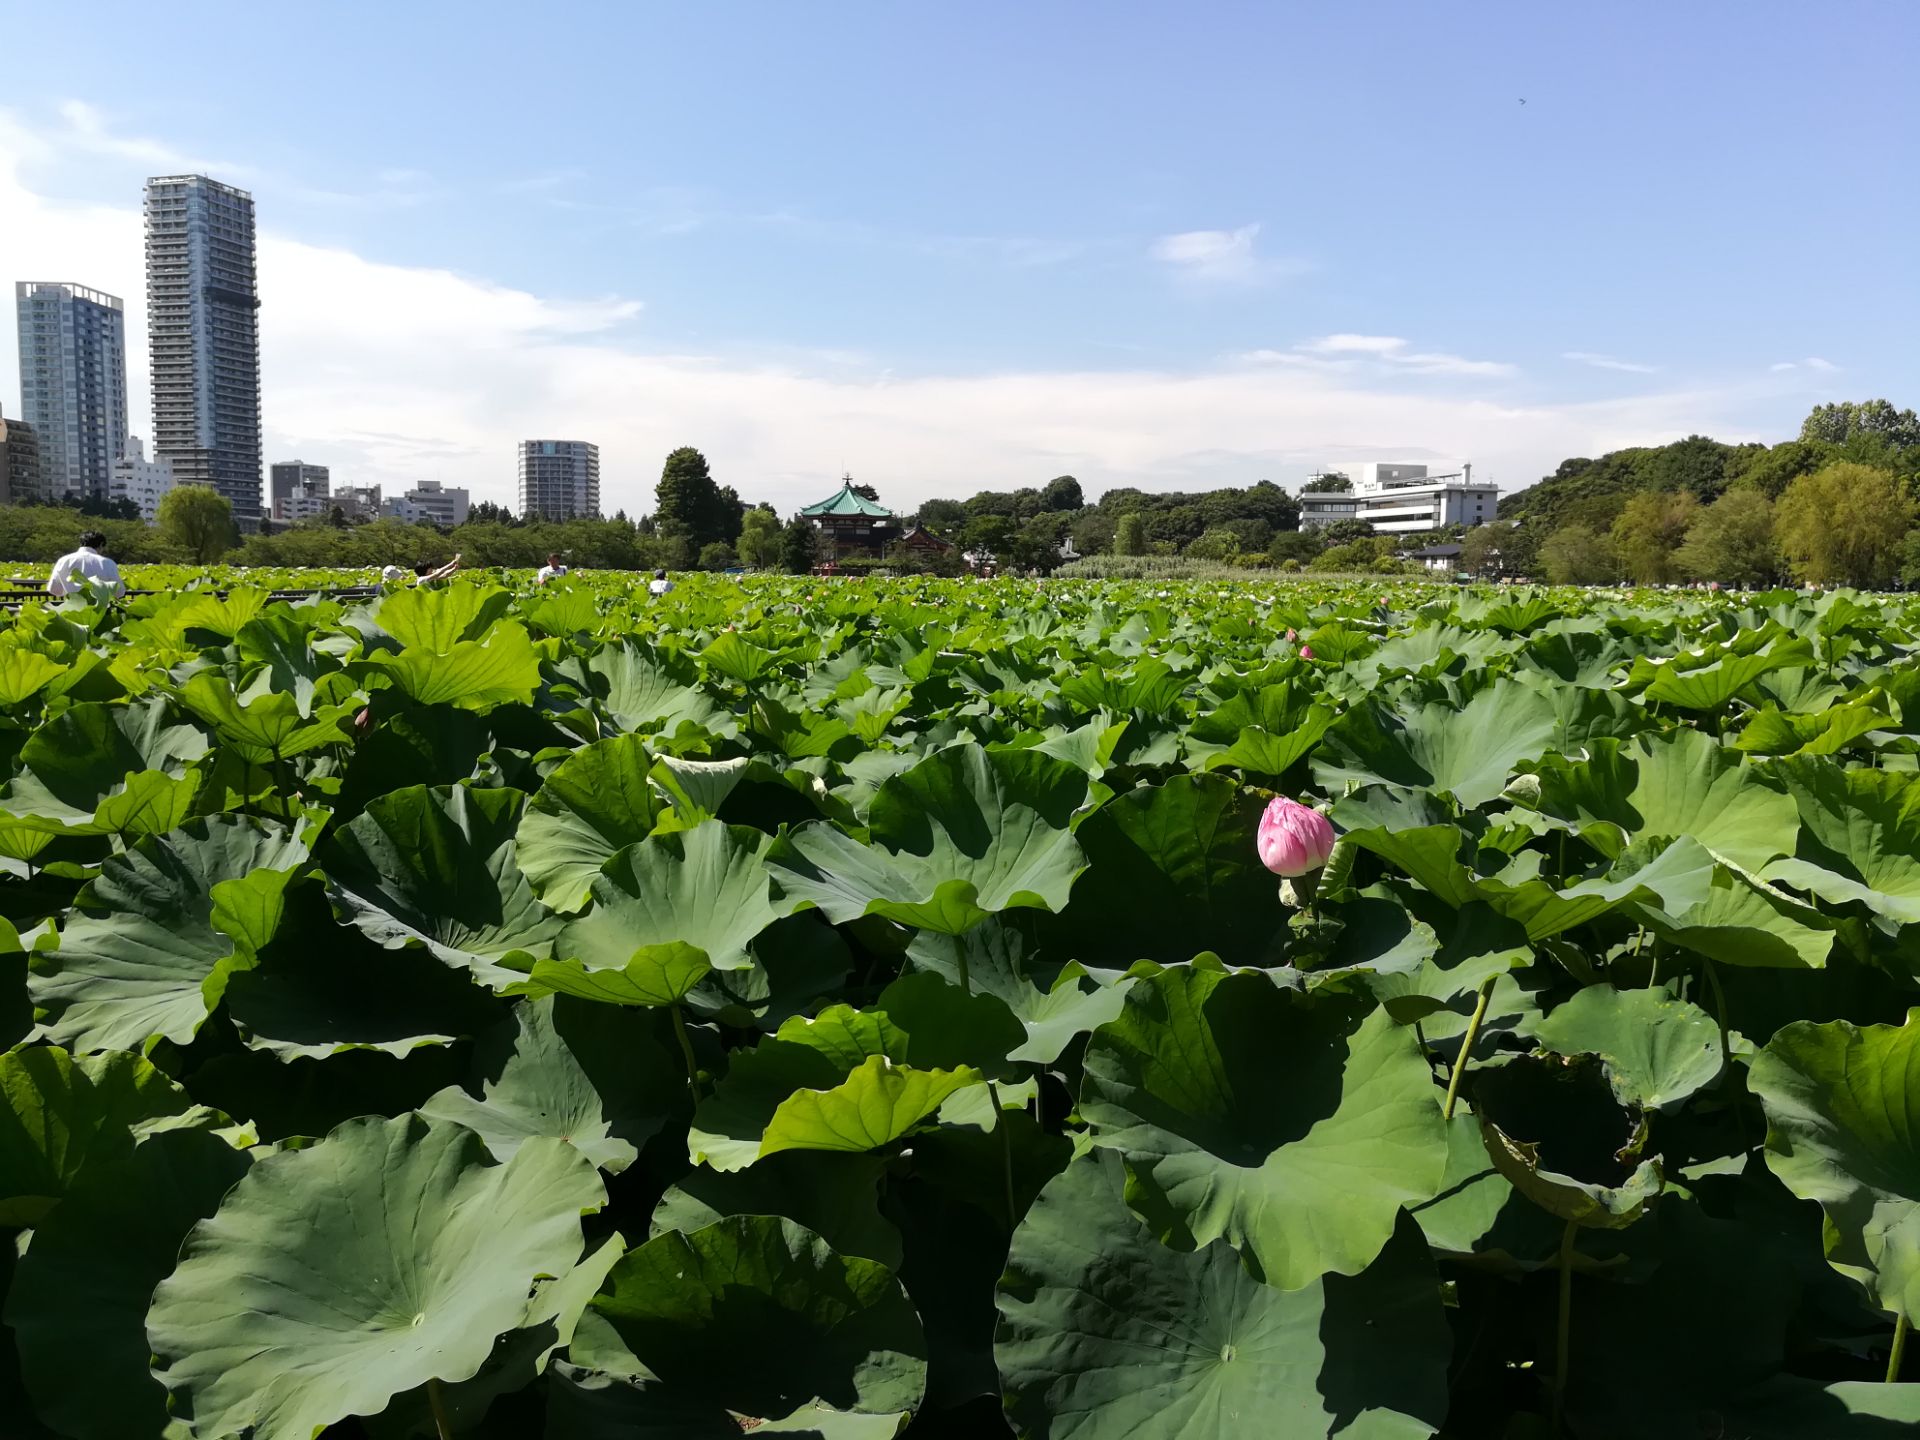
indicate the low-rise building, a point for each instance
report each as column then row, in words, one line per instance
column 358, row 503
column 432, row 502
column 1400, row 498
column 142, row 482
column 849, row 523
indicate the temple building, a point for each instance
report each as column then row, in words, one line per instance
column 851, row 524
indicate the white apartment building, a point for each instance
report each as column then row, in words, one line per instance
column 559, row 480
column 73, row 383
column 432, row 502
column 142, row 481
column 1401, row 498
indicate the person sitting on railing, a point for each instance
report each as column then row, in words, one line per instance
column 84, row 569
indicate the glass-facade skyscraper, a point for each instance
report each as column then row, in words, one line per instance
column 203, row 317
column 73, row 383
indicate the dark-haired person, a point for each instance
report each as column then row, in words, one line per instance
column 552, row 570
column 660, row 585
column 85, row 568
column 427, row 575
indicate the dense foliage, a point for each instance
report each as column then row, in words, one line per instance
column 862, row 1008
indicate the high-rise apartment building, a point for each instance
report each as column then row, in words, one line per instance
column 559, row 480
column 203, row 318
column 297, row 490
column 19, row 463
column 73, row 383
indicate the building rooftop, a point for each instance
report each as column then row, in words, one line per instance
column 846, row 502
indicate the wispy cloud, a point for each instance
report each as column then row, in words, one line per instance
column 1812, row 362
column 1220, row 256
column 1608, row 362
column 1347, row 351
column 88, row 129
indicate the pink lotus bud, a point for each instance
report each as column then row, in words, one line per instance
column 1293, row 838
column 1292, row 635
column 1306, row 652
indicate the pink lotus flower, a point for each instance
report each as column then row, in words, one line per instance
column 1292, row 635
column 1306, row 652
column 1294, row 838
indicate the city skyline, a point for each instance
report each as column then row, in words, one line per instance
column 1345, row 242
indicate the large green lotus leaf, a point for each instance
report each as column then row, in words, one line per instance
column 594, row 804
column 78, row 1305
column 1054, row 1004
column 696, row 789
column 334, row 1278
column 1861, row 841
column 947, row 1027
column 1678, row 875
column 961, row 835
column 643, row 695
column 739, row 658
column 1843, row 1129
column 587, row 1404
column 703, row 890
column 1480, row 946
column 1173, row 870
column 1106, row 1334
column 1678, row 783
column 1776, row 732
column 438, row 619
column 1742, row 922
column 502, row 669
column 1477, row 1216
column 1656, row 1050
column 156, row 936
column 151, row 802
column 762, row 1315
column 1556, row 1131
column 64, row 1118
column 1468, row 751
column 1793, row 1408
column 875, row 1105
column 81, row 756
column 265, row 729
column 23, row 672
column 1183, row 1085
column 1264, row 730
column 1689, row 683
column 834, row 1195
column 596, row 1077
column 435, row 867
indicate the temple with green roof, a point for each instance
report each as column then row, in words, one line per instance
column 848, row 521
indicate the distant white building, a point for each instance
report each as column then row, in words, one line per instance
column 142, row 481
column 358, row 502
column 559, row 480
column 433, row 502
column 1399, row 498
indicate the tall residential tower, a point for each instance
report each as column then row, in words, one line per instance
column 559, row 480
column 202, row 313
column 73, row 383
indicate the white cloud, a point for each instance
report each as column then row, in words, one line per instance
column 395, row 373
column 88, row 129
column 1220, row 257
column 1812, row 362
column 1607, row 362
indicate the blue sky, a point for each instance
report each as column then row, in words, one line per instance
column 961, row 246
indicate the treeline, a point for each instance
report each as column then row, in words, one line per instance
column 1835, row 505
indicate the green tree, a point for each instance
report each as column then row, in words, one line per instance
column 687, row 503
column 1482, row 547
column 1843, row 525
column 1732, row 541
column 1328, row 483
column 718, row 556
column 1062, row 493
column 1218, row 543
column 943, row 517
column 488, row 512
column 199, row 520
column 1844, row 421
column 1771, row 470
column 867, row 493
column 1578, row 555
column 993, row 533
column 1651, row 527
column 760, row 539
column 1130, row 534
column 1299, row 546
column 1036, row 544
column 798, row 545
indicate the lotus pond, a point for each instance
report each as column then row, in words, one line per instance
column 858, row 1010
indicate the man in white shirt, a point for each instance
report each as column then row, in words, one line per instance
column 86, row 567
column 661, row 585
column 552, row 570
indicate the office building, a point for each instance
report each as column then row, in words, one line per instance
column 73, row 383
column 432, row 502
column 141, row 481
column 357, row 503
column 1402, row 499
column 19, row 463
column 295, row 486
column 559, row 480
column 204, row 337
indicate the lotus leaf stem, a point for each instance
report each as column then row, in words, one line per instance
column 1006, row 1151
column 442, row 1423
column 1563, row 1335
column 1466, row 1045
column 1900, row 1328
column 686, row 1047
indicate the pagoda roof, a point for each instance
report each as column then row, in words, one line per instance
column 846, row 502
